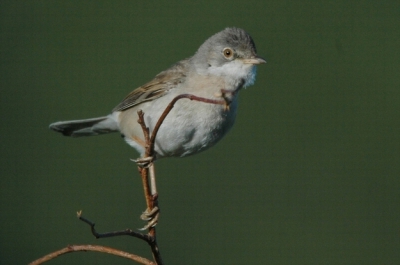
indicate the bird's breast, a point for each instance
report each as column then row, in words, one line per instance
column 191, row 126
column 194, row 126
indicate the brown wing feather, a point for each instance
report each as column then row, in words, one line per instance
column 156, row 88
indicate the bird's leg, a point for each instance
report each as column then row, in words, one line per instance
column 151, row 215
column 146, row 169
column 153, row 187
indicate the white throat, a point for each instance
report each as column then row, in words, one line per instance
column 235, row 71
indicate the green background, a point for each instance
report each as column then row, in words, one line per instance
column 308, row 175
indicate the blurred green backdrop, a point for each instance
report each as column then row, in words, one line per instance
column 308, row 175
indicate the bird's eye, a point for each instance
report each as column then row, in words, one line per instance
column 228, row 53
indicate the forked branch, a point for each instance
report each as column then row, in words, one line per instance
column 151, row 199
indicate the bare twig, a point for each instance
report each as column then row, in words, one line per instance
column 126, row 232
column 151, row 197
column 144, row 171
column 108, row 250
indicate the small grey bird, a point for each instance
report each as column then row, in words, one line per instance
column 224, row 64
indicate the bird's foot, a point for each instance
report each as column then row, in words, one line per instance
column 145, row 162
column 151, row 216
column 227, row 96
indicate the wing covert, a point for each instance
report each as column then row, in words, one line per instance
column 158, row 87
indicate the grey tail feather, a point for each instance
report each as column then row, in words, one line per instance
column 87, row 127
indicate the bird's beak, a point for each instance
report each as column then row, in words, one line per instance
column 254, row 60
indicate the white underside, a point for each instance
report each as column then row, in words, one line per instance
column 191, row 126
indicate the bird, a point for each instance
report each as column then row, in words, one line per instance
column 223, row 65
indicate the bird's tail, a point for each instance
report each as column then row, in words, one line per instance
column 88, row 127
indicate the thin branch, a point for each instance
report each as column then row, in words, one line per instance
column 145, row 129
column 126, row 232
column 150, row 239
column 152, row 199
column 144, row 171
column 108, row 250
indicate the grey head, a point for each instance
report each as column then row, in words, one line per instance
column 230, row 54
column 226, row 46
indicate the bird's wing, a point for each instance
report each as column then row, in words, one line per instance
column 157, row 87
